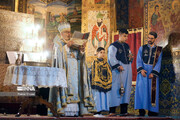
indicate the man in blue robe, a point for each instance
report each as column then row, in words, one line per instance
column 119, row 59
column 57, row 96
column 146, row 72
column 77, row 97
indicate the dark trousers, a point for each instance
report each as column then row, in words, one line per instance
column 142, row 112
column 112, row 110
column 123, row 108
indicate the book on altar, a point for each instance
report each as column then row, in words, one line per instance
column 79, row 38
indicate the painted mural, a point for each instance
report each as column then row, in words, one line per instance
column 122, row 14
column 50, row 14
column 99, row 27
column 74, row 15
column 99, row 1
column 163, row 17
column 56, row 13
column 7, row 5
column 90, row 11
column 136, row 9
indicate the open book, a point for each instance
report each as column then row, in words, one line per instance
column 79, row 38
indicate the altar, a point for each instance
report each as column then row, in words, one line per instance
column 38, row 77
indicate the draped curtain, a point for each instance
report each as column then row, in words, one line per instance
column 135, row 40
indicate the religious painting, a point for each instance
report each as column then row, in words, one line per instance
column 7, row 5
column 30, row 9
column 98, row 25
column 50, row 14
column 57, row 13
column 136, row 9
column 74, row 15
column 162, row 17
column 156, row 23
column 99, row 1
column 90, row 11
column 122, row 14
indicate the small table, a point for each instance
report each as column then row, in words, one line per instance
column 38, row 77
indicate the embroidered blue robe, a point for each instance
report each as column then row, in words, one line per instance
column 118, row 56
column 57, row 96
column 145, row 59
column 79, row 89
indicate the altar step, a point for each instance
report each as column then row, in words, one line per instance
column 38, row 117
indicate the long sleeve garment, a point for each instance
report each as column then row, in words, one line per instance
column 145, row 59
column 118, row 56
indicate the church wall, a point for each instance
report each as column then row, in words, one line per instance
column 13, row 31
column 12, row 34
column 129, row 13
column 122, row 14
column 140, row 14
column 135, row 14
column 49, row 14
column 164, row 19
column 7, row 5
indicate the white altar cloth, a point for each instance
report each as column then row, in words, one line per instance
column 35, row 76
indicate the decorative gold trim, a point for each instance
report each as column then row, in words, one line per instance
column 133, row 82
column 59, row 102
column 16, row 5
column 63, row 97
column 59, row 111
column 115, row 25
column 64, row 105
column 113, row 34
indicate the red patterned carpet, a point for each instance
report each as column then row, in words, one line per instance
column 37, row 117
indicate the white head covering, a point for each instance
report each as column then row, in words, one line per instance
column 63, row 26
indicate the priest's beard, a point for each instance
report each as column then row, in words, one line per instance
column 99, row 24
